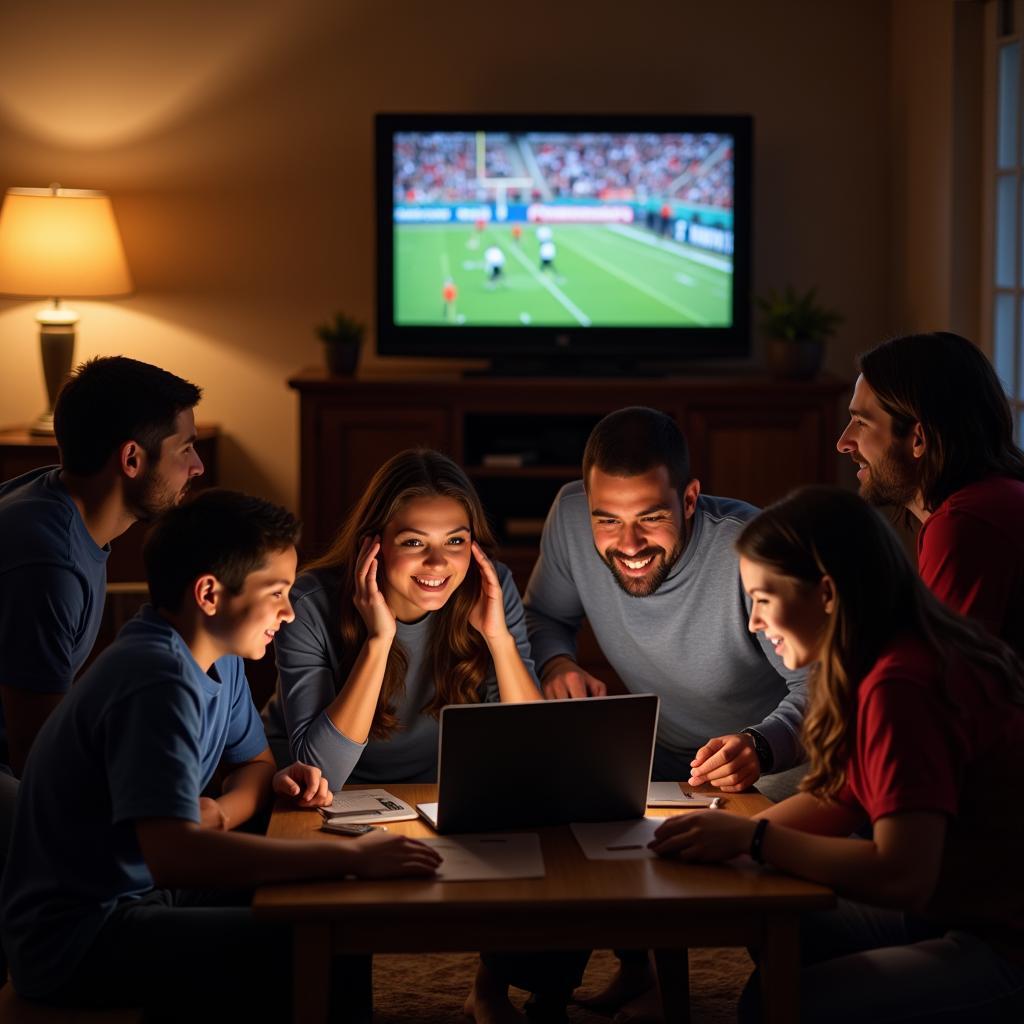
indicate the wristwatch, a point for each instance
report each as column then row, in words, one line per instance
column 764, row 752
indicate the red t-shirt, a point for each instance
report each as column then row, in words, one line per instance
column 970, row 553
column 947, row 738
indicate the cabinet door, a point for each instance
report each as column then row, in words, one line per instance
column 350, row 447
column 758, row 455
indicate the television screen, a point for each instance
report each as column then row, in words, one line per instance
column 502, row 233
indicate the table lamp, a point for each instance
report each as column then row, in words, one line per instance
column 59, row 242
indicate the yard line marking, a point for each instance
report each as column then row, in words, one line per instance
column 635, row 282
column 706, row 277
column 556, row 292
column 715, row 262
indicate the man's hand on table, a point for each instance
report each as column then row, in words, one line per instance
column 303, row 783
column 564, row 678
column 728, row 762
column 381, row 854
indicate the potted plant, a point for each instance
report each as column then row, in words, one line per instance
column 342, row 338
column 796, row 327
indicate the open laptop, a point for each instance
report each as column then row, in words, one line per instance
column 547, row 762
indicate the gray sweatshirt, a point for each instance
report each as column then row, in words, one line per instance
column 688, row 642
column 309, row 658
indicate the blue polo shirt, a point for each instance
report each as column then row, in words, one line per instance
column 53, row 579
column 139, row 736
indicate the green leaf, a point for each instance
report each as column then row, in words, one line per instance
column 796, row 316
column 341, row 328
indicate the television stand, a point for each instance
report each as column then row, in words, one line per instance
column 568, row 366
column 521, row 438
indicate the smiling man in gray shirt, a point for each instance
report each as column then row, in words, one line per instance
column 637, row 549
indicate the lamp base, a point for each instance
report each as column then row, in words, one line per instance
column 42, row 425
column 57, row 350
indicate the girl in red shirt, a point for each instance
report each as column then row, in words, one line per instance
column 915, row 726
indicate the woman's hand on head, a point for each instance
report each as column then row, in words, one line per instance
column 488, row 614
column 369, row 601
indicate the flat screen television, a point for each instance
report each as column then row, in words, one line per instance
column 539, row 237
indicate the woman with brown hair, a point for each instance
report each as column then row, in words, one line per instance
column 404, row 614
column 915, row 726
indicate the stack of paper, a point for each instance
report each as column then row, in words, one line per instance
column 367, row 807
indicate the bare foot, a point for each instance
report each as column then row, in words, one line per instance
column 630, row 980
column 487, row 1002
column 645, row 1009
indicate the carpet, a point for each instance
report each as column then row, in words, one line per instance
column 431, row 988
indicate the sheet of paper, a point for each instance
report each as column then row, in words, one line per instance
column 485, row 856
column 616, row 840
column 668, row 794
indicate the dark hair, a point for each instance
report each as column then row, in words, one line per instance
column 632, row 441
column 112, row 399
column 824, row 531
column 457, row 656
column 947, row 385
column 221, row 532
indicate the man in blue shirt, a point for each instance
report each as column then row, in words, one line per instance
column 113, row 813
column 126, row 435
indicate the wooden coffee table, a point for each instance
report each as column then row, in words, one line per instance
column 579, row 904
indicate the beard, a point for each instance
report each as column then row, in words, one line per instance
column 891, row 479
column 151, row 496
column 642, row 586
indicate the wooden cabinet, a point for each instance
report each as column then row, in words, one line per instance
column 520, row 439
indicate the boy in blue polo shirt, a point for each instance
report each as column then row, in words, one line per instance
column 111, row 816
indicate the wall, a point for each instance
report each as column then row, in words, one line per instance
column 935, row 142
column 236, row 141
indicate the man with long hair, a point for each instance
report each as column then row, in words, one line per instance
column 126, row 434
column 930, row 429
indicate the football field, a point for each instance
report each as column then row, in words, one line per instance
column 602, row 275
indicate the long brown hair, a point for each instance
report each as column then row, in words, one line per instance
column 947, row 385
column 824, row 531
column 457, row 655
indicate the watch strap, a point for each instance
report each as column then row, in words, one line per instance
column 765, row 757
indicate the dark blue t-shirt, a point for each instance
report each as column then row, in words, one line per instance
column 139, row 736
column 53, row 579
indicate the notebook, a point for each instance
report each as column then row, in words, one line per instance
column 367, row 807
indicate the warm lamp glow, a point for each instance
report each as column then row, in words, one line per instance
column 59, row 242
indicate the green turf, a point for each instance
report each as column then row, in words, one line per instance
column 608, row 277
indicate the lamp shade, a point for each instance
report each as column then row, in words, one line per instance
column 60, row 242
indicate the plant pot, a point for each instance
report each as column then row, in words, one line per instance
column 341, row 357
column 793, row 360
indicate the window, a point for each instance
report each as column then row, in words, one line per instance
column 1007, row 258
